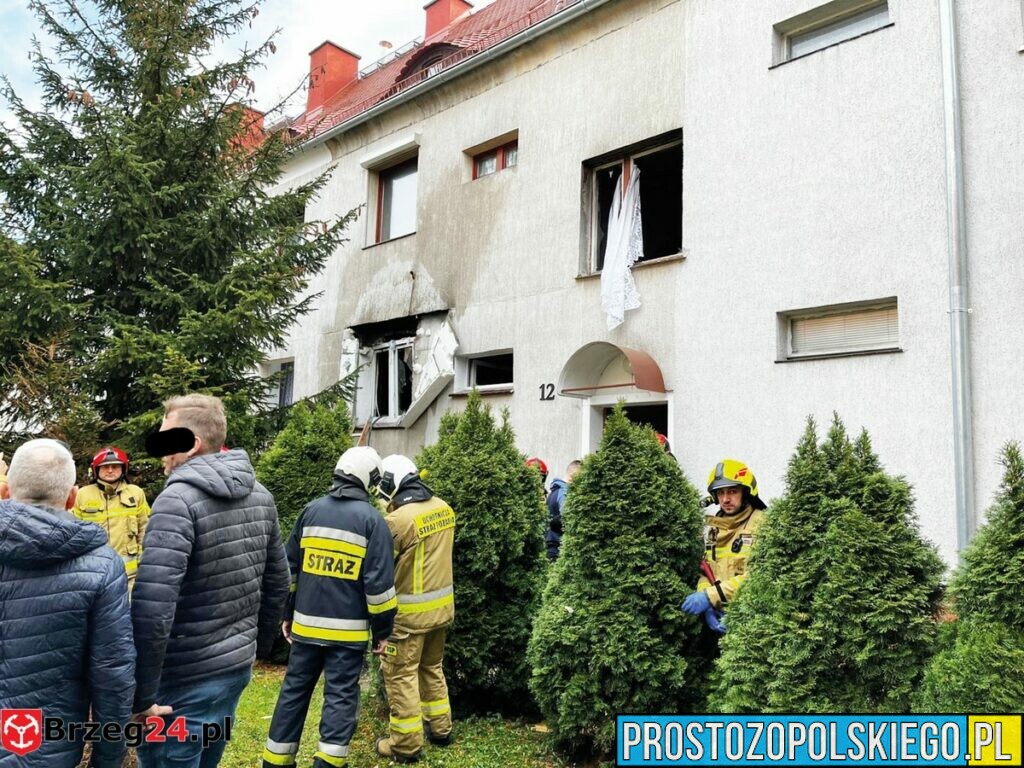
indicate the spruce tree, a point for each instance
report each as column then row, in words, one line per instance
column 299, row 465
column 610, row 636
column 498, row 560
column 837, row 614
column 140, row 197
column 979, row 667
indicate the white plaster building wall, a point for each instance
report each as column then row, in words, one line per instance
column 824, row 182
column 992, row 72
column 503, row 251
column 817, row 182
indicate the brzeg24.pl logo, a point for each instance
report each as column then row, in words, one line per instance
column 24, row 730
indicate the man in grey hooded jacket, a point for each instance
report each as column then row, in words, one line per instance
column 211, row 584
column 65, row 630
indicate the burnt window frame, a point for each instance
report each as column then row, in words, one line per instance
column 395, row 411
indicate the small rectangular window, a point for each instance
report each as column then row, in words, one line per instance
column 661, row 198
column 490, row 371
column 829, row 24
column 840, row 330
column 497, row 159
column 286, row 385
column 396, row 200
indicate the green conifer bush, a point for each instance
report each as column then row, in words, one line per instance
column 981, row 665
column 837, row 614
column 298, row 466
column 610, row 636
column 499, row 558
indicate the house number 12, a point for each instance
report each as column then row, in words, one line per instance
column 547, row 391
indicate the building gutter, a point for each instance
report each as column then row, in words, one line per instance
column 529, row 34
column 959, row 306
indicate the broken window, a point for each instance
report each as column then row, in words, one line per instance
column 392, row 371
column 660, row 162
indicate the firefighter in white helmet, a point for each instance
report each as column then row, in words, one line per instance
column 343, row 595
column 423, row 529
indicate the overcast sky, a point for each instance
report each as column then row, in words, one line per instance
column 358, row 25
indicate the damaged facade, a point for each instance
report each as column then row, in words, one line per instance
column 793, row 249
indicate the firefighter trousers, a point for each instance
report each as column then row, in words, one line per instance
column 416, row 688
column 341, row 665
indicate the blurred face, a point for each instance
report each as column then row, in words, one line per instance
column 730, row 499
column 176, row 459
column 110, row 473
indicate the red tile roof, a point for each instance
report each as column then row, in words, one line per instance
column 460, row 41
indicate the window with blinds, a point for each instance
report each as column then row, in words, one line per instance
column 862, row 328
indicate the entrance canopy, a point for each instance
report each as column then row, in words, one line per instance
column 603, row 368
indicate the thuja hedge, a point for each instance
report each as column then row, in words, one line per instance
column 299, row 464
column 499, row 561
column 610, row 636
column 981, row 665
column 838, row 613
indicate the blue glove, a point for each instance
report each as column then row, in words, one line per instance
column 696, row 603
column 715, row 620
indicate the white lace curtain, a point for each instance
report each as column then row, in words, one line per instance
column 624, row 248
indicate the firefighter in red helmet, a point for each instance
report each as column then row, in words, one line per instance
column 116, row 506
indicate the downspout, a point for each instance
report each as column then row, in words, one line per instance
column 959, row 308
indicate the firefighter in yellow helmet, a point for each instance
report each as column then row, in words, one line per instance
column 423, row 529
column 729, row 538
column 116, row 506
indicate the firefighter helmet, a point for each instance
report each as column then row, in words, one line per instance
column 361, row 463
column 540, row 465
column 729, row 473
column 108, row 455
column 396, row 470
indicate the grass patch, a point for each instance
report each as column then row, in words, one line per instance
column 484, row 742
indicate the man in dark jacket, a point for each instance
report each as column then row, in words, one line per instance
column 343, row 575
column 66, row 637
column 556, row 499
column 211, row 584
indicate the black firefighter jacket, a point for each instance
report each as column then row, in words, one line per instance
column 343, row 570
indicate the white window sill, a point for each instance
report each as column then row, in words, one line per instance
column 391, row 240
column 642, row 264
column 846, row 353
column 495, row 389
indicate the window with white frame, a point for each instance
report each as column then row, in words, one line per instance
column 396, row 200
column 392, row 378
column 660, row 162
column 844, row 329
column 827, row 25
column 491, row 371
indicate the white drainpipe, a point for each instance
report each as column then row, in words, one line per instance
column 959, row 306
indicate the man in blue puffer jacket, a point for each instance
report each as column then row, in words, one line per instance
column 211, row 585
column 65, row 629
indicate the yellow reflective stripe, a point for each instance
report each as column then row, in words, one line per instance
column 428, row 605
column 275, row 759
column 293, row 586
column 381, row 607
column 329, row 759
column 91, row 515
column 340, row 635
column 334, row 545
column 131, row 566
column 439, row 707
column 406, row 725
column 417, row 570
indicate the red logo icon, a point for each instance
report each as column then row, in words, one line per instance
column 742, row 473
column 21, row 730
